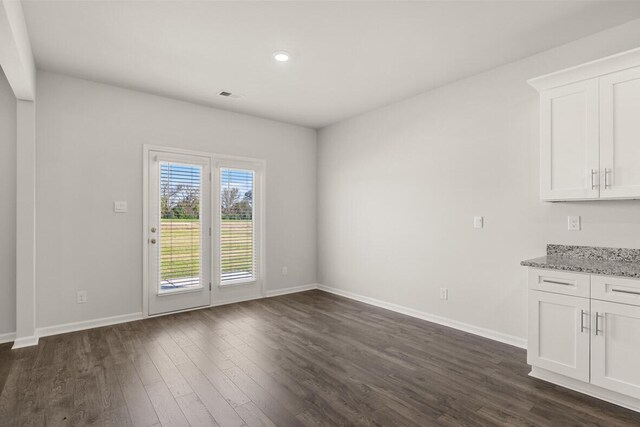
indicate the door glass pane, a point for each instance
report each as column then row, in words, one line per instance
column 180, row 226
column 237, row 228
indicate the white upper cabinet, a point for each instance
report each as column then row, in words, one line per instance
column 569, row 142
column 620, row 134
column 590, row 130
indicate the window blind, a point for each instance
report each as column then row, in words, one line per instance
column 180, row 228
column 237, row 225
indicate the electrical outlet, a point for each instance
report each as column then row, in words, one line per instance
column 120, row 206
column 444, row 293
column 81, row 297
column 573, row 223
column 285, row 271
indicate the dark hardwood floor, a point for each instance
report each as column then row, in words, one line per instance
column 304, row 359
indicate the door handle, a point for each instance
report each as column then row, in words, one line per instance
column 606, row 178
column 582, row 313
column 153, row 241
column 595, row 173
column 597, row 318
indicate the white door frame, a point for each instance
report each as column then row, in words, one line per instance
column 261, row 220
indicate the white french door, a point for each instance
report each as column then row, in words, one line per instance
column 237, row 230
column 179, row 232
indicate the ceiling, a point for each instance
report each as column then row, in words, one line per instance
column 348, row 57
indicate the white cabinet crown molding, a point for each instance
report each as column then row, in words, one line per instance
column 588, row 70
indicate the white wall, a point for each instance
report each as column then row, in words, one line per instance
column 398, row 188
column 7, row 207
column 89, row 153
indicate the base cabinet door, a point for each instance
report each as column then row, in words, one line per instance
column 559, row 334
column 615, row 347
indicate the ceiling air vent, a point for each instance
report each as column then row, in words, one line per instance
column 226, row 94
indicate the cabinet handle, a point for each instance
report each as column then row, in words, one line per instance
column 621, row 291
column 594, row 173
column 606, row 179
column 555, row 282
column 597, row 318
column 582, row 313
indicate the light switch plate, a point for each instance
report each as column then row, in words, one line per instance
column 120, row 206
column 81, row 297
column 478, row 222
column 573, row 223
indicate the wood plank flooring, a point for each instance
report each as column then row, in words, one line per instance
column 303, row 359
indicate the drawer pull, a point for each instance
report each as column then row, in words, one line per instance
column 626, row 292
column 555, row 282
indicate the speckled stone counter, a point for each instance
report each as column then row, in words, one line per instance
column 619, row 262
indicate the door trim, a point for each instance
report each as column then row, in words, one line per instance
column 213, row 157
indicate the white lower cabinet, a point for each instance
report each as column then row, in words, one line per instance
column 593, row 341
column 615, row 347
column 559, row 334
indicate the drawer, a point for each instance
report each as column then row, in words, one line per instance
column 560, row 282
column 615, row 289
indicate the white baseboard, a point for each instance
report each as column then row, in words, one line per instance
column 25, row 342
column 476, row 330
column 293, row 290
column 7, row 337
column 87, row 324
column 106, row 321
column 586, row 388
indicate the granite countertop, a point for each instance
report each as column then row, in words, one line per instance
column 589, row 259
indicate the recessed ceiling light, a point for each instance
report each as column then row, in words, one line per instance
column 281, row 56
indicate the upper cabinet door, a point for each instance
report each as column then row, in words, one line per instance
column 620, row 134
column 569, row 155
